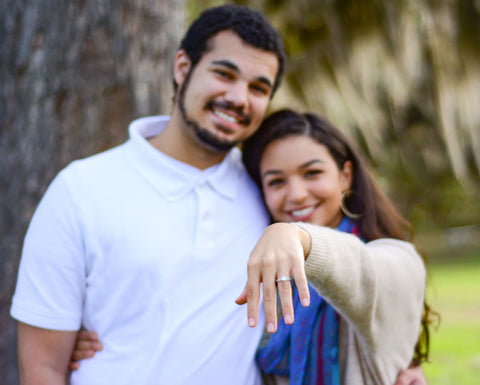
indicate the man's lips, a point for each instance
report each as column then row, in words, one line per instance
column 227, row 117
column 229, row 113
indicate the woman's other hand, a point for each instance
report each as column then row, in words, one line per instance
column 86, row 345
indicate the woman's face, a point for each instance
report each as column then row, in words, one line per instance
column 301, row 181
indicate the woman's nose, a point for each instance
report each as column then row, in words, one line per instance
column 297, row 191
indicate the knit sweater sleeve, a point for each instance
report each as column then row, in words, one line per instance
column 377, row 287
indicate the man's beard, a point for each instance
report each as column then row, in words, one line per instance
column 204, row 136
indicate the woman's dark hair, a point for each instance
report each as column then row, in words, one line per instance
column 250, row 25
column 379, row 218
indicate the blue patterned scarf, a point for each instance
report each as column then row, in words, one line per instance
column 307, row 351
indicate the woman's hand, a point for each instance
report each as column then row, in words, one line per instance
column 280, row 252
column 86, row 345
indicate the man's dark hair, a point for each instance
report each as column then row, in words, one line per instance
column 250, row 25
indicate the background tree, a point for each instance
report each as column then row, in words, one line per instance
column 402, row 78
column 73, row 74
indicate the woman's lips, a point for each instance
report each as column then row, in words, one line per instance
column 303, row 213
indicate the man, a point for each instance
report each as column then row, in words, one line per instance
column 147, row 244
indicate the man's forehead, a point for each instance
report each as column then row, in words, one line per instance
column 229, row 40
column 229, row 49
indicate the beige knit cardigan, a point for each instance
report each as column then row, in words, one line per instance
column 378, row 290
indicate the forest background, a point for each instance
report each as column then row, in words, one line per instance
column 400, row 77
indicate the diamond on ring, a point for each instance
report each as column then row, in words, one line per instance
column 284, row 278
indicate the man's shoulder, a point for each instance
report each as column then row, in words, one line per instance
column 95, row 171
column 95, row 162
column 144, row 127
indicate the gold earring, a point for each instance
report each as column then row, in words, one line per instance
column 344, row 208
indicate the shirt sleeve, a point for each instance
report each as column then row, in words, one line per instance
column 378, row 287
column 51, row 280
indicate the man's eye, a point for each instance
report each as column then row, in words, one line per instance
column 224, row 74
column 260, row 89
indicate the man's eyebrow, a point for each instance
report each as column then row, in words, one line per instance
column 227, row 63
column 234, row 67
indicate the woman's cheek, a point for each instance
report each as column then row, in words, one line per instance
column 272, row 202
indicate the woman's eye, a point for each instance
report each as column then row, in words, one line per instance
column 274, row 182
column 312, row 173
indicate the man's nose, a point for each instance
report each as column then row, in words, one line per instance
column 238, row 94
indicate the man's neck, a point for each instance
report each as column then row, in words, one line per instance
column 174, row 142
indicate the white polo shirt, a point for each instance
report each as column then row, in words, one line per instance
column 150, row 253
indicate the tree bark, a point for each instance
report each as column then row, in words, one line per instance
column 73, row 74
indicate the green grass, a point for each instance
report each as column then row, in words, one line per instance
column 454, row 291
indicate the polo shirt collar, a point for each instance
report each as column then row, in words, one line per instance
column 172, row 178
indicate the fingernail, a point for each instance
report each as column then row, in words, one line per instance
column 288, row 319
column 251, row 322
column 305, row 302
column 270, row 328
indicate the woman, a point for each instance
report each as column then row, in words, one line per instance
column 366, row 281
column 350, row 242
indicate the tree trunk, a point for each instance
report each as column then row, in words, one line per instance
column 73, row 74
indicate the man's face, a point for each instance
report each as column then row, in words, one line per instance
column 223, row 99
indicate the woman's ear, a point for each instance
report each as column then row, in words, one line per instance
column 181, row 66
column 347, row 175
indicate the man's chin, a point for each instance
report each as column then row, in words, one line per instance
column 213, row 143
column 206, row 138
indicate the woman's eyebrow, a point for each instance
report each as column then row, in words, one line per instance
column 309, row 163
column 301, row 167
column 271, row 172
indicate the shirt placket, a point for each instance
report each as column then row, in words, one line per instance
column 205, row 228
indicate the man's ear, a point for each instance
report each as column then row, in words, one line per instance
column 181, row 66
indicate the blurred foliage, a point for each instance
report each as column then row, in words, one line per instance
column 401, row 78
